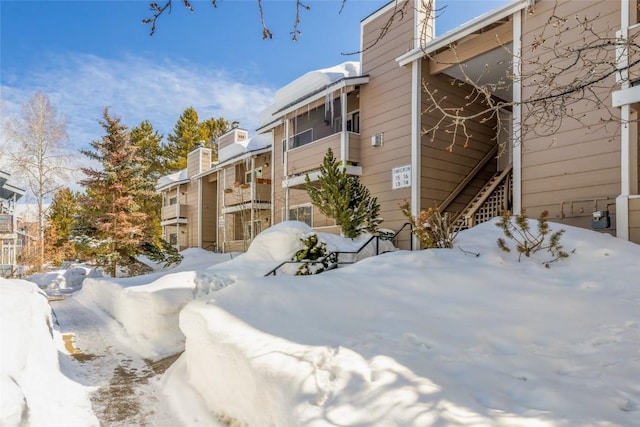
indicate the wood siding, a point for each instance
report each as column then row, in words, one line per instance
column 576, row 162
column 199, row 160
column 385, row 107
column 209, row 214
column 634, row 219
column 442, row 170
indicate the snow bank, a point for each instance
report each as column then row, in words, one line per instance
column 148, row 306
column 64, row 281
column 436, row 337
column 33, row 391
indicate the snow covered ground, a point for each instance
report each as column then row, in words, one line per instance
column 426, row 338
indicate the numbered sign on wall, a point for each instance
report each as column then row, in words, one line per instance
column 401, row 177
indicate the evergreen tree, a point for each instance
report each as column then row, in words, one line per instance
column 149, row 143
column 111, row 207
column 187, row 134
column 153, row 167
column 314, row 256
column 214, row 128
column 343, row 198
column 61, row 216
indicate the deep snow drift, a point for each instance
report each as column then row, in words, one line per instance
column 426, row 338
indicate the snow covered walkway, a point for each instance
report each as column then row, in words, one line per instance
column 126, row 385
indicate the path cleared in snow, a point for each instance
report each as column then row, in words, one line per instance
column 126, row 385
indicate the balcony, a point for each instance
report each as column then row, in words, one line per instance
column 174, row 211
column 243, row 194
column 309, row 157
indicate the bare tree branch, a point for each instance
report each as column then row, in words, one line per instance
column 555, row 91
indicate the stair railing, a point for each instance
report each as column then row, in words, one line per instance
column 472, row 208
column 336, row 254
column 491, row 154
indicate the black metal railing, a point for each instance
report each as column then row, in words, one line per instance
column 336, row 254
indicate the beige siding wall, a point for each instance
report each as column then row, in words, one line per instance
column 235, row 135
column 576, row 163
column 634, row 220
column 199, row 160
column 209, row 214
column 385, row 107
column 192, row 217
column 441, row 169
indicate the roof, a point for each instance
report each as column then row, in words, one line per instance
column 9, row 191
column 312, row 83
column 167, row 181
column 236, row 149
column 464, row 30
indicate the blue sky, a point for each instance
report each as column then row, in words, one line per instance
column 90, row 54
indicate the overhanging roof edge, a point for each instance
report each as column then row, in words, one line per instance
column 463, row 30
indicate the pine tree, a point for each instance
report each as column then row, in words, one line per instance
column 314, row 256
column 343, row 198
column 153, row 167
column 149, row 143
column 187, row 134
column 61, row 216
column 212, row 129
column 112, row 201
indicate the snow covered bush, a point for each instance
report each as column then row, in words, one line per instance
column 527, row 243
column 315, row 256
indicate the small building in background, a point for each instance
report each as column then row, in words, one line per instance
column 10, row 241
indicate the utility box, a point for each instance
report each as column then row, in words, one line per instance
column 600, row 220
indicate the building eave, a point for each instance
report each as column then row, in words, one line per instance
column 235, row 159
column 315, row 95
column 169, row 186
column 463, row 30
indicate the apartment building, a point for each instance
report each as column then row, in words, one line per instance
column 9, row 236
column 378, row 117
column 221, row 205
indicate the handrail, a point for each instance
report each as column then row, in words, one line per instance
column 475, row 204
column 472, row 174
column 337, row 253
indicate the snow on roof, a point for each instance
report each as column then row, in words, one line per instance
column 172, row 179
column 308, row 84
column 239, row 148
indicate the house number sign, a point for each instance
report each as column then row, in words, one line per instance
column 401, row 177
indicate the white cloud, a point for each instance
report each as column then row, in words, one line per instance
column 135, row 89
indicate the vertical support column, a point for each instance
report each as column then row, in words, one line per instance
column 199, row 215
column 416, row 140
column 286, row 172
column 252, row 197
column 622, row 54
column 344, row 137
column 272, row 159
column 516, row 129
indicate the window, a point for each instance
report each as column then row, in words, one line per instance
column 301, row 213
column 300, row 139
column 353, row 122
column 173, row 200
column 257, row 173
column 173, row 239
column 6, row 223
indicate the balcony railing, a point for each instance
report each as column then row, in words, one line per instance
column 174, row 211
column 244, row 193
column 309, row 156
